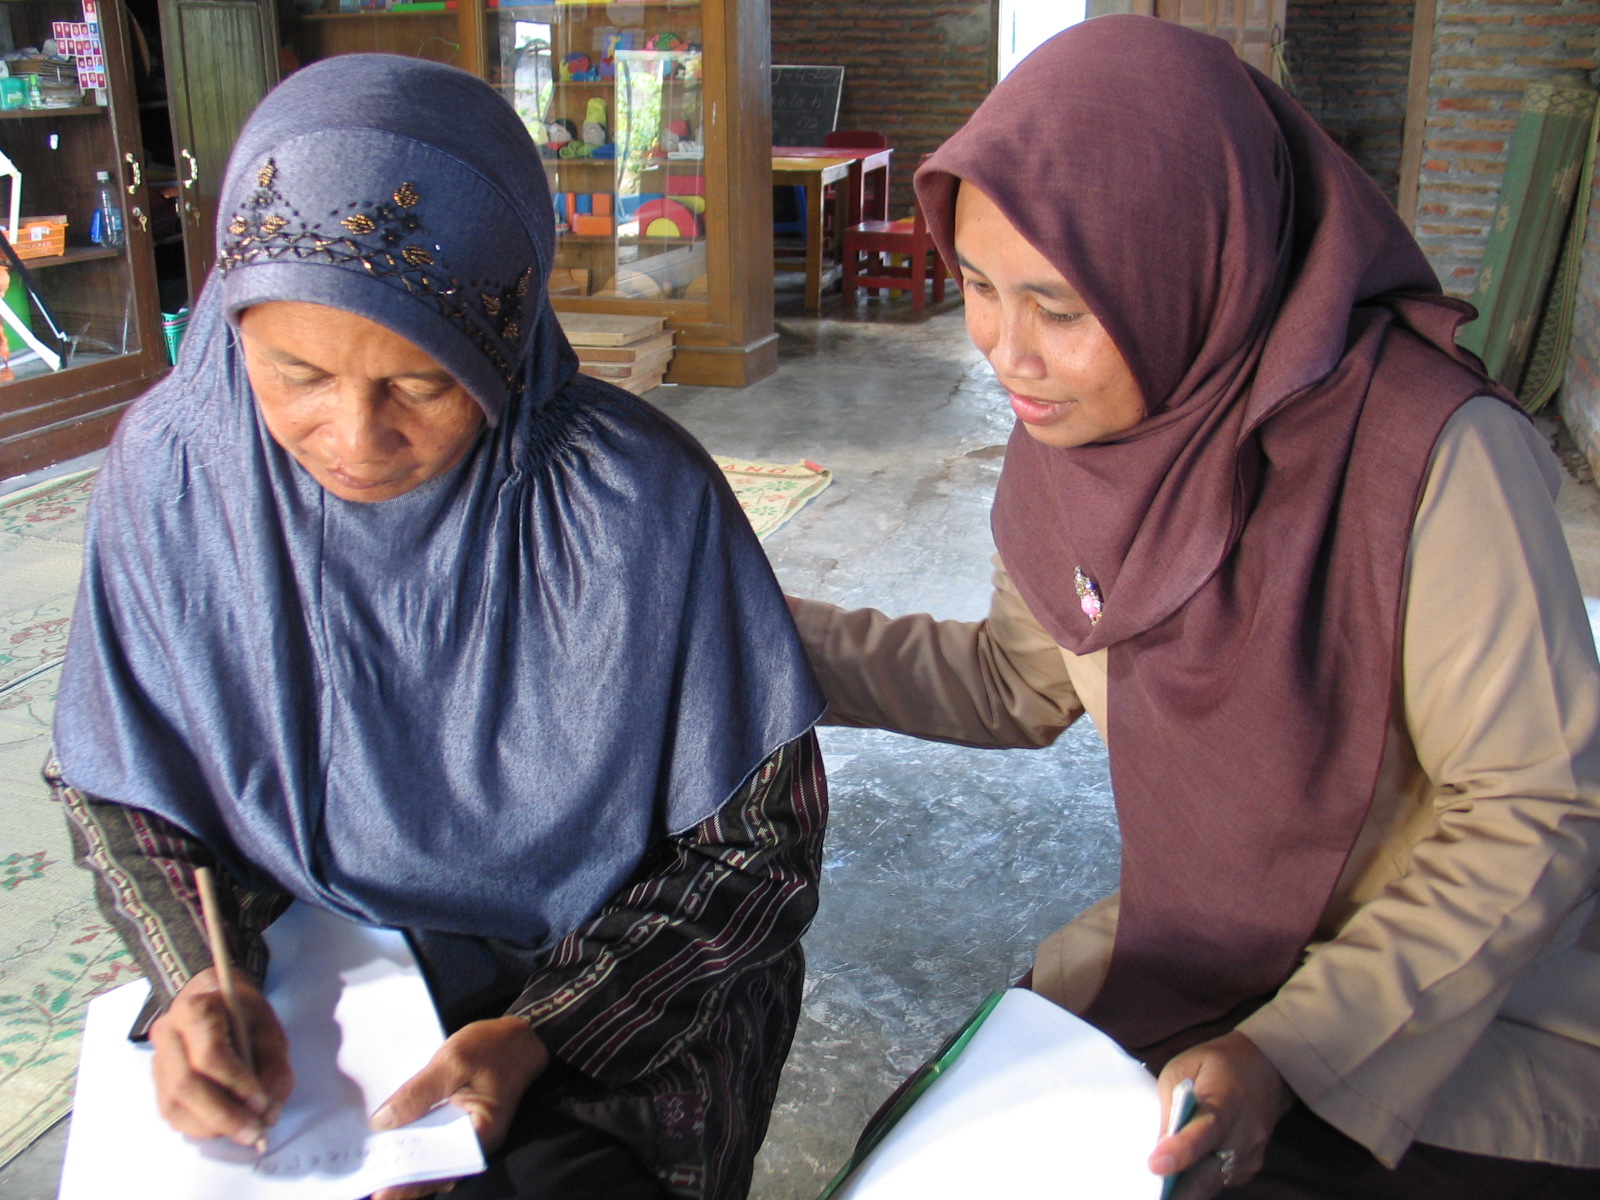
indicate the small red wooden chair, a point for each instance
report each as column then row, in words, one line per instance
column 872, row 251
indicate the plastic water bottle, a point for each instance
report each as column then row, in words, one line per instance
column 105, row 228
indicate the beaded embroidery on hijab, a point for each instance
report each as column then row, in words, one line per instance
column 389, row 239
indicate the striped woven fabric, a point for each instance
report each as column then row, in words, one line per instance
column 669, row 1012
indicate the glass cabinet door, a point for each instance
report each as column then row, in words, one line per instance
column 62, row 153
column 612, row 95
column 654, row 121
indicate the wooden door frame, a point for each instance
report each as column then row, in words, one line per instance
column 197, row 213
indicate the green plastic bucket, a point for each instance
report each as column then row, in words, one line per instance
column 173, row 326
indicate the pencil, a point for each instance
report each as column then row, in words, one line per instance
column 224, row 965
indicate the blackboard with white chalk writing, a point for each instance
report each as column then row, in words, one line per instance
column 805, row 104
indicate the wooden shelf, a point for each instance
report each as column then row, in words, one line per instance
column 692, row 167
column 374, row 14
column 33, row 367
column 630, row 240
column 74, row 254
column 550, row 10
column 81, row 110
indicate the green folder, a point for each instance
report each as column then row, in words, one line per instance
column 911, row 1091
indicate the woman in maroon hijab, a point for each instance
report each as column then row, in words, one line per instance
column 1298, row 560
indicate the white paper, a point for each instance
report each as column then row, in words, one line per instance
column 360, row 1023
column 1039, row 1103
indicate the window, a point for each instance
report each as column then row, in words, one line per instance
column 1026, row 23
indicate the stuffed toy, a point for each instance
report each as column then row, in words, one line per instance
column 558, row 134
column 595, row 132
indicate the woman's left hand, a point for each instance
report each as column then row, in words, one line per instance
column 1239, row 1098
column 484, row 1069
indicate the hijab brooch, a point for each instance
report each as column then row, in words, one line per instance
column 1088, row 595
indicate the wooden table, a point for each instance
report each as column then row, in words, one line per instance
column 868, row 162
column 815, row 174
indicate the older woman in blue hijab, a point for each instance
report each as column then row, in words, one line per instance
column 388, row 609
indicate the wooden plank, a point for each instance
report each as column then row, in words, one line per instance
column 1416, row 118
column 607, row 329
column 738, row 99
column 640, row 385
column 633, row 352
column 656, row 363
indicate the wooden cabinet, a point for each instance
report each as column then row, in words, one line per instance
column 673, row 217
column 681, row 90
column 101, row 296
column 431, row 34
column 182, row 75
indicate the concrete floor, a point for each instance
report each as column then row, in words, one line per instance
column 944, row 865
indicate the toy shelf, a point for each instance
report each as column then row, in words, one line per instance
column 649, row 74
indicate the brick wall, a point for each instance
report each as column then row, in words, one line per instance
column 1349, row 64
column 1484, row 54
column 913, row 70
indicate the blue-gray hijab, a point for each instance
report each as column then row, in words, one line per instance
column 468, row 709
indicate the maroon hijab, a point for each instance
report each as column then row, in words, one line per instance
column 1249, row 537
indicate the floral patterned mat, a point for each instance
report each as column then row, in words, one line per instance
column 55, row 952
column 771, row 493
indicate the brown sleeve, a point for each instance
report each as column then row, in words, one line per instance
column 999, row 682
column 144, row 867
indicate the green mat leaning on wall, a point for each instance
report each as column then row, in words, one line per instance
column 1533, row 257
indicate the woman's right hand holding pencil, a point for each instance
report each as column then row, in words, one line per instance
column 204, row 1085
